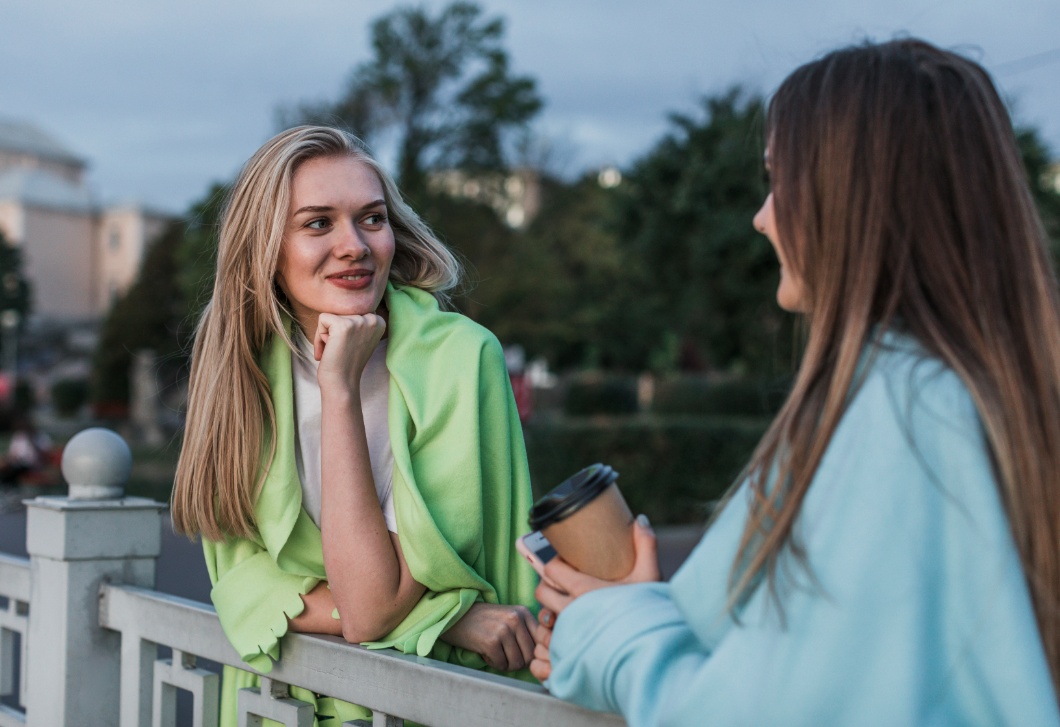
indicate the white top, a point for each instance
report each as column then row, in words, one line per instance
column 375, row 390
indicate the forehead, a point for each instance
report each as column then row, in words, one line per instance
column 335, row 181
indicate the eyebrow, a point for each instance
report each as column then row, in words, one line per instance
column 327, row 208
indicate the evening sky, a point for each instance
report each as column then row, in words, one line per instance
column 164, row 97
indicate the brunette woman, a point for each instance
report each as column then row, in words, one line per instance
column 892, row 555
column 352, row 456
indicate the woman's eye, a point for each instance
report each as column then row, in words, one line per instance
column 375, row 219
column 317, row 224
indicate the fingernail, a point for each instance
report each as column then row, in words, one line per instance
column 642, row 520
column 546, row 619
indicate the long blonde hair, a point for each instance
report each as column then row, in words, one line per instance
column 228, row 443
column 902, row 203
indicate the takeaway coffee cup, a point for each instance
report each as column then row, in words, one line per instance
column 589, row 523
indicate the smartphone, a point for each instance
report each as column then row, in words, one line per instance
column 536, row 549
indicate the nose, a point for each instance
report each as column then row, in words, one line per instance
column 348, row 243
column 759, row 221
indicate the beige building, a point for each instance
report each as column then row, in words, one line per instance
column 515, row 197
column 78, row 253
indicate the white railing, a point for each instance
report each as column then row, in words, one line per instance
column 14, row 621
column 393, row 685
column 84, row 602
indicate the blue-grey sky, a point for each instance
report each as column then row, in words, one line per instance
column 165, row 97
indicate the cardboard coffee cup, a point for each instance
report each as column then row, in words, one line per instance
column 588, row 522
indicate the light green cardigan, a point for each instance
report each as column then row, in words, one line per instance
column 461, row 492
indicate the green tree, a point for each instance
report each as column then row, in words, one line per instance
column 444, row 85
column 686, row 215
column 1041, row 171
column 196, row 254
column 15, row 292
column 565, row 288
column 151, row 314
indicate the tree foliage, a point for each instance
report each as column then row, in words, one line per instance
column 559, row 288
column 196, row 254
column 442, row 83
column 15, row 291
column 152, row 314
column 686, row 215
column 664, row 272
column 1041, row 177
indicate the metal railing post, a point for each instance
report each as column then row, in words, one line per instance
column 75, row 543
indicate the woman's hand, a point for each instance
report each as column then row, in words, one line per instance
column 343, row 345
column 541, row 666
column 575, row 583
column 501, row 634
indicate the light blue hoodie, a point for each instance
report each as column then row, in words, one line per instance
column 920, row 614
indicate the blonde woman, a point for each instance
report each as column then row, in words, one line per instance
column 352, row 456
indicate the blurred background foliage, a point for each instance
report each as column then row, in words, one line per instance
column 656, row 270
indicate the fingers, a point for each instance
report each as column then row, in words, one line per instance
column 496, row 657
column 540, row 669
column 513, row 655
column 570, row 579
column 543, row 636
column 541, row 666
column 350, row 341
column 646, row 566
column 524, row 635
column 320, row 338
column 513, row 629
column 555, row 601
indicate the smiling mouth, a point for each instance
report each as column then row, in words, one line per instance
column 356, row 280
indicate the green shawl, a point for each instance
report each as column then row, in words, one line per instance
column 461, row 492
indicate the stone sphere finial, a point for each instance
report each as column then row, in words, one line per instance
column 96, row 464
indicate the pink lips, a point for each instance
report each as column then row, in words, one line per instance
column 362, row 279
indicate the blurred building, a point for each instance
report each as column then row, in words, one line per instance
column 515, row 197
column 1052, row 176
column 78, row 254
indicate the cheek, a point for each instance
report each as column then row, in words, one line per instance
column 384, row 250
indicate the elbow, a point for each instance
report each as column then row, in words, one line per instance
column 360, row 630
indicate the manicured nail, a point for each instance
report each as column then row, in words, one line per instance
column 642, row 520
column 546, row 619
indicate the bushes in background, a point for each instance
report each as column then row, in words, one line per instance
column 737, row 397
column 604, row 393
column 670, row 468
column 69, row 395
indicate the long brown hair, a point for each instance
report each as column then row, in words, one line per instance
column 227, row 445
column 902, row 203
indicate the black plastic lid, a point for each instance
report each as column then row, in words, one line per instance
column 571, row 495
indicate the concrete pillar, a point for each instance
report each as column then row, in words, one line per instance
column 75, row 543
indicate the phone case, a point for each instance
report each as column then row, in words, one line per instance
column 538, row 551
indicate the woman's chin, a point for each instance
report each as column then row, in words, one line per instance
column 354, row 306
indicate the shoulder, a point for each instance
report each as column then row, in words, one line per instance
column 909, row 395
column 910, row 442
column 421, row 329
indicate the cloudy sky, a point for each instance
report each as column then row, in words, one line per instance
column 165, row 97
